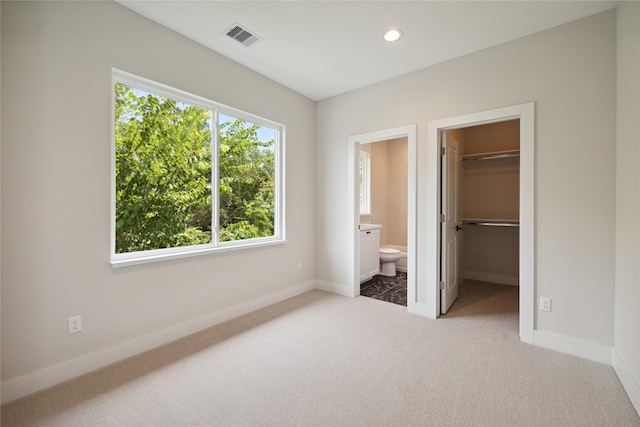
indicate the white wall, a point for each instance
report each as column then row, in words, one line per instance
column 56, row 97
column 569, row 72
column 627, row 245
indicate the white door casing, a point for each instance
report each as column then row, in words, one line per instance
column 429, row 198
column 410, row 132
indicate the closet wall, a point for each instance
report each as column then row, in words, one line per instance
column 490, row 190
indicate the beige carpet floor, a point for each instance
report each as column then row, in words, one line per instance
column 322, row 359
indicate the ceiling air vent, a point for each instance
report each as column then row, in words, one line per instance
column 242, row 35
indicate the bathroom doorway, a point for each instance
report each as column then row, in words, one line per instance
column 406, row 135
column 383, row 220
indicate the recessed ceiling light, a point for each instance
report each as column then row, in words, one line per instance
column 392, row 35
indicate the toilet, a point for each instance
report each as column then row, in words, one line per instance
column 388, row 258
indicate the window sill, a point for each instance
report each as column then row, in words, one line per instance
column 126, row 261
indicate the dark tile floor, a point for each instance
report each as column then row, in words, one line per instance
column 385, row 288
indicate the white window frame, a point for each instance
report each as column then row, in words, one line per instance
column 141, row 257
column 365, row 182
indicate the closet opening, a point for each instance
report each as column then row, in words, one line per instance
column 440, row 276
column 480, row 178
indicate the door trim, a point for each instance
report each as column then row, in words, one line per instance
column 408, row 132
column 432, row 187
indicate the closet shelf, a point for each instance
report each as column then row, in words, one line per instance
column 491, row 222
column 511, row 154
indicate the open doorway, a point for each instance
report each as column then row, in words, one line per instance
column 383, row 220
column 423, row 211
column 408, row 134
column 480, row 206
column 437, row 267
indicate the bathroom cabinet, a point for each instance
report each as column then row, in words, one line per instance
column 369, row 253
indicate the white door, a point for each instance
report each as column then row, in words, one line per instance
column 449, row 249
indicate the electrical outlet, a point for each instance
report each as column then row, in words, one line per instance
column 299, row 266
column 545, row 304
column 74, row 324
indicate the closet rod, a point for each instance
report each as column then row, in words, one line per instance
column 493, row 224
column 491, row 156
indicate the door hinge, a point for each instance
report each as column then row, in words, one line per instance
column 441, row 284
column 442, row 151
column 442, row 218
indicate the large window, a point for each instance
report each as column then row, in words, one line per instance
column 190, row 175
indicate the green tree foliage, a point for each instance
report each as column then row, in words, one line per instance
column 247, row 182
column 164, row 169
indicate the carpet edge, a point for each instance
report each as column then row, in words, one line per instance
column 24, row 385
column 629, row 383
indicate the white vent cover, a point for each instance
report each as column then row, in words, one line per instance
column 242, row 34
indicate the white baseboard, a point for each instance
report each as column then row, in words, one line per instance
column 335, row 288
column 563, row 344
column 22, row 386
column 629, row 383
column 596, row 352
column 491, row 278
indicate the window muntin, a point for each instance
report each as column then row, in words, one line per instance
column 177, row 160
column 365, row 183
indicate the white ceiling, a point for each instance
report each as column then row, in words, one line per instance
column 324, row 48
